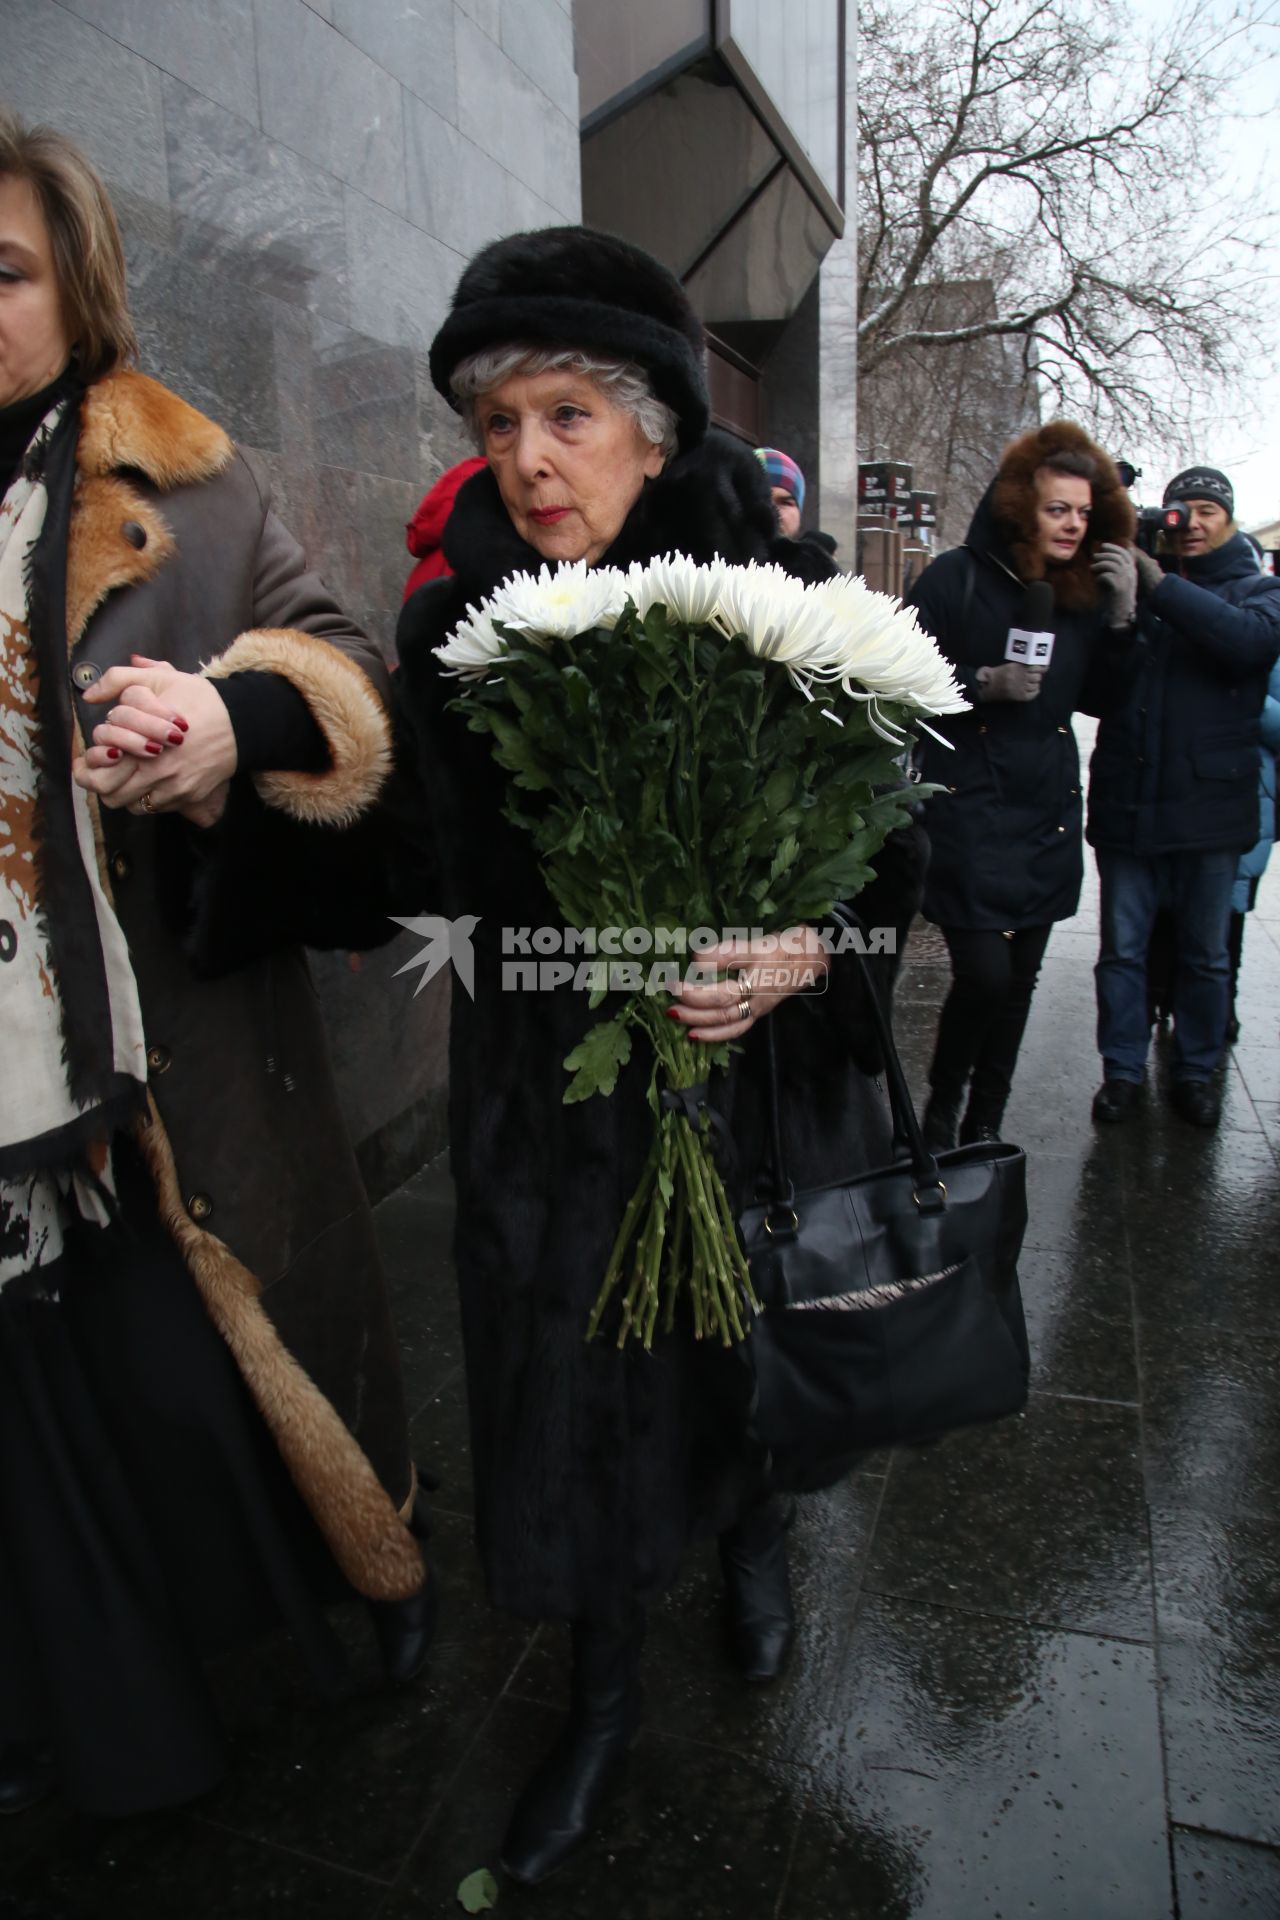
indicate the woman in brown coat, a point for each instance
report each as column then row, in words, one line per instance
column 202, row 1428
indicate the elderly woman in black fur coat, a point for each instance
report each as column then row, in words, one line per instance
column 1006, row 852
column 578, row 361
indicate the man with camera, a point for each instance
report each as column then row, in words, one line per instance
column 1173, row 788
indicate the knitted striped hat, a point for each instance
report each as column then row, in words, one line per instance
column 783, row 472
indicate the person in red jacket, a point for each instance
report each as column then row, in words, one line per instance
column 425, row 532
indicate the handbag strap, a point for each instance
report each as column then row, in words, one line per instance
column 930, row 1193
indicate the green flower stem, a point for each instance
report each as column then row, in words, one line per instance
column 675, row 1258
column 702, row 1177
column 647, row 1250
column 623, row 1239
column 642, row 1298
column 678, row 1229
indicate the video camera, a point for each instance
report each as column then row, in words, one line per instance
column 1153, row 521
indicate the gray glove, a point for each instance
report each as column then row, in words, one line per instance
column 1115, row 571
column 1150, row 572
column 1012, row 681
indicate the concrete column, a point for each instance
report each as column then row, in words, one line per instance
column 838, row 344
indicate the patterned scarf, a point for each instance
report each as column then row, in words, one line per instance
column 71, row 1035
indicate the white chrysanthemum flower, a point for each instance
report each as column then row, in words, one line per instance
column 560, row 605
column 690, row 593
column 880, row 650
column 778, row 616
column 473, row 648
column 839, row 632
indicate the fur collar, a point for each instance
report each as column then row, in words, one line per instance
column 1004, row 526
column 129, row 421
column 130, row 426
column 712, row 500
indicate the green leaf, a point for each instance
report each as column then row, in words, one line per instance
column 779, row 789
column 515, row 751
column 598, row 1058
column 785, row 857
column 478, row 1893
column 573, row 839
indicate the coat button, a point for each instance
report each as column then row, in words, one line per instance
column 1064, row 729
column 1061, row 829
column 121, row 866
column 85, row 674
column 159, row 1059
column 983, row 727
column 199, row 1206
column 8, row 940
column 134, row 534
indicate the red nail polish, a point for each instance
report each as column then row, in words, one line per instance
column 178, row 721
column 113, row 753
column 671, row 1013
column 154, row 747
column 176, row 739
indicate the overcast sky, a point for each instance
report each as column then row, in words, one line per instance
column 1250, row 452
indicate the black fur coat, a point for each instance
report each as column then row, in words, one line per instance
column 593, row 1468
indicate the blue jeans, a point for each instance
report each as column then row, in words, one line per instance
column 1197, row 886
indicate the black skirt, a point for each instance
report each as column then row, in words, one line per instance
column 146, row 1520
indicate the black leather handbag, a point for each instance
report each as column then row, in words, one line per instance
column 891, row 1309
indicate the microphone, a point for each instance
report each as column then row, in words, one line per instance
column 1030, row 643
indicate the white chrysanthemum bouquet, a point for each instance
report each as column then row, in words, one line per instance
column 692, row 747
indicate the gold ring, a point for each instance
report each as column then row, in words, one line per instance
column 744, row 1007
column 147, row 804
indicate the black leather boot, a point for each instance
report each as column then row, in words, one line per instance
column 757, row 1586
column 1197, row 1101
column 406, row 1628
column 1114, row 1101
column 982, row 1122
column 558, row 1806
column 26, row 1777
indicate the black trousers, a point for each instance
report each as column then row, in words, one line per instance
column 981, row 1026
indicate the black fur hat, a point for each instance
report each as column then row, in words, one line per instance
column 574, row 287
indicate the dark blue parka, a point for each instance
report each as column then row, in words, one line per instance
column 1175, row 769
column 1005, row 832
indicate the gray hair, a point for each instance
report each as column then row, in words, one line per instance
column 623, row 383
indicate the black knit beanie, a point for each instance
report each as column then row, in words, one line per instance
column 574, row 287
column 1202, row 483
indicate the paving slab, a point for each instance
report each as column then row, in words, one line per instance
column 1036, row 1669
column 1038, row 1518
column 986, row 1770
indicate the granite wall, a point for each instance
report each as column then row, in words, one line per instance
column 300, row 183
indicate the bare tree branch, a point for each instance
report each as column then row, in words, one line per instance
column 1040, row 151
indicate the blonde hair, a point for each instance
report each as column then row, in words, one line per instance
column 84, row 239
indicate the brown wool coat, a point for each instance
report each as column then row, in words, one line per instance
column 174, row 552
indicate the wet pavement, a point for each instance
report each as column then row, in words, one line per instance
column 1039, row 1665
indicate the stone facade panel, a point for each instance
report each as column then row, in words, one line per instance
column 300, row 183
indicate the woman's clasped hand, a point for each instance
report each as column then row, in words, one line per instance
column 164, row 745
